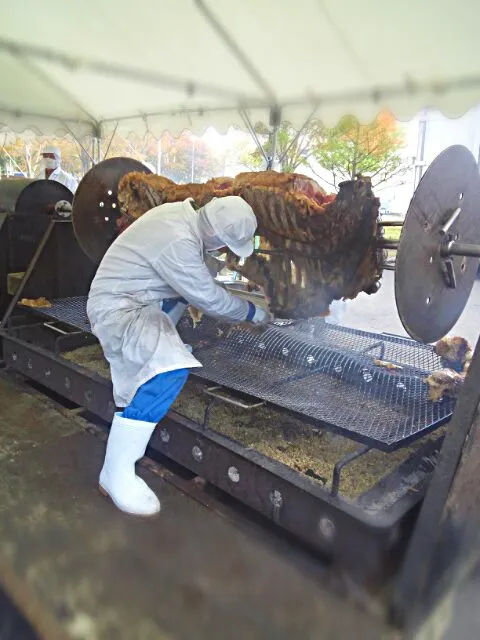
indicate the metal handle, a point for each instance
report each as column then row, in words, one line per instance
column 446, row 227
column 50, row 325
column 229, row 400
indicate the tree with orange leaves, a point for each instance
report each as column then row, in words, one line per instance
column 351, row 148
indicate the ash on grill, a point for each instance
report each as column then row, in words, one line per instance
column 306, row 449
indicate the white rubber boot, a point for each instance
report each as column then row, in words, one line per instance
column 126, row 444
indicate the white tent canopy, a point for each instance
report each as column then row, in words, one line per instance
column 175, row 64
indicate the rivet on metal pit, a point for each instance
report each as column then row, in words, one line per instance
column 48, row 372
column 276, row 498
column 29, row 364
column 326, row 528
column 233, row 474
column 197, row 453
column 14, row 357
column 165, row 436
column 367, row 375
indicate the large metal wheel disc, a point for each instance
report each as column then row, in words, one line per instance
column 428, row 306
column 31, row 216
column 95, row 206
column 40, row 196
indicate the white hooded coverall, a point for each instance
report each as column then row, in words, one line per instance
column 155, row 262
column 159, row 257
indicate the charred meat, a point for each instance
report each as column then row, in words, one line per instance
column 444, row 382
column 455, row 352
column 314, row 247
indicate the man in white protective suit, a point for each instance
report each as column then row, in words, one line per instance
column 51, row 168
column 143, row 285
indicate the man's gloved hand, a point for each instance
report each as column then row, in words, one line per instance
column 261, row 316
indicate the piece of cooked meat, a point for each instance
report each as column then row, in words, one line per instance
column 37, row 303
column 387, row 365
column 316, row 247
column 444, row 382
column 195, row 314
column 455, row 352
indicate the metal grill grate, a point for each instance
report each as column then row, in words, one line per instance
column 323, row 372
column 327, row 373
column 69, row 310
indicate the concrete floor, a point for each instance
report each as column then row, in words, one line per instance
column 379, row 313
column 85, row 571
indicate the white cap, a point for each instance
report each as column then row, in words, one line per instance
column 234, row 222
column 55, row 150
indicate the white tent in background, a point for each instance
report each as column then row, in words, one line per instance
column 160, row 65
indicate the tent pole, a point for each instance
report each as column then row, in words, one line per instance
column 110, row 142
column 96, row 145
column 275, row 120
column 298, row 134
column 253, row 133
column 95, row 157
column 77, row 140
column 236, row 50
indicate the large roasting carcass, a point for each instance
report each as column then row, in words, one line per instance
column 314, row 247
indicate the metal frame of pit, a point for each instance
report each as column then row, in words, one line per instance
column 358, row 537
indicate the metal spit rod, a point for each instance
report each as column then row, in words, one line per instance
column 453, row 248
column 388, row 244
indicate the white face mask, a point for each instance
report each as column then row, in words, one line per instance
column 49, row 163
column 210, row 241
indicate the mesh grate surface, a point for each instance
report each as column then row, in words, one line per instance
column 70, row 310
column 323, row 372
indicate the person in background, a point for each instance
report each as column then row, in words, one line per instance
column 51, row 168
column 147, row 277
